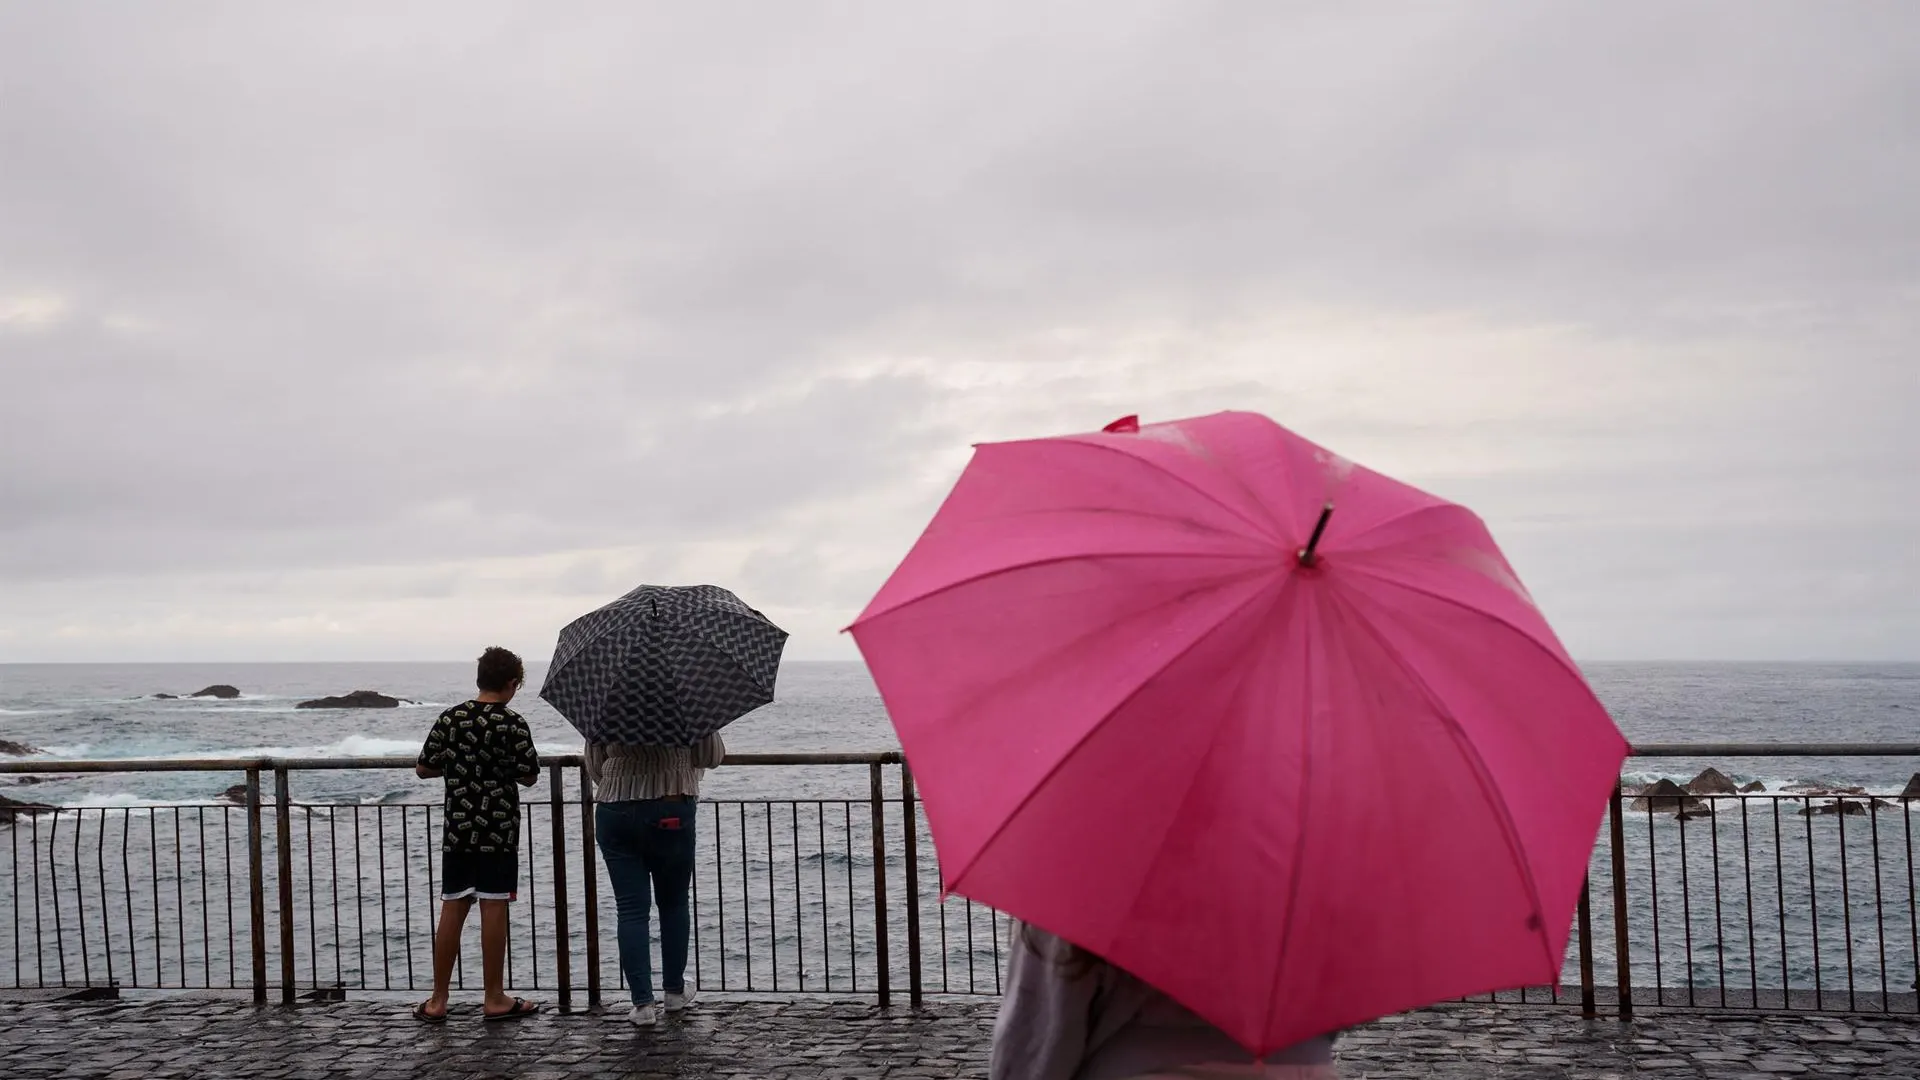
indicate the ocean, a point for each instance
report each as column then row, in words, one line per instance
column 108, row 711
column 136, row 878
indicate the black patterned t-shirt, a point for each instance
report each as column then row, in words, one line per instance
column 483, row 749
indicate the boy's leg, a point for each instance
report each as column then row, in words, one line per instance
column 497, row 877
column 446, row 952
column 493, row 954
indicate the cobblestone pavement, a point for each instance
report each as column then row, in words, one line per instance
column 188, row 1036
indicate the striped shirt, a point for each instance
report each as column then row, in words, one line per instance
column 630, row 773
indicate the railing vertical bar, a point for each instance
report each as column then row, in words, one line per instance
column 206, row 920
column 533, row 910
column 973, row 986
column 39, row 921
column 772, row 913
column 1746, row 870
column 126, row 892
column 1813, row 898
column 179, row 898
column 878, row 830
column 283, row 842
column 226, row 873
column 746, row 893
column 313, row 918
column 13, row 860
column 1653, row 886
column 940, row 907
column 406, row 887
column 1686, row 902
column 359, row 896
column 257, row 890
column 720, row 888
column 910, row 823
column 333, row 874
column 562, row 944
column 590, row 888
column 1880, row 914
column 846, row 835
column 386, row 934
column 1622, row 940
column 153, row 874
column 1846, row 898
column 1587, row 1005
column 993, row 924
column 1913, row 900
column 826, row 944
column 1780, row 902
column 799, row 921
column 1719, row 912
column 433, row 910
column 106, row 914
column 53, row 882
column 80, row 894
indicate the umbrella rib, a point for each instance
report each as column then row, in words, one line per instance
column 1453, row 601
column 1510, row 830
column 984, row 575
column 1019, row 807
column 1270, row 528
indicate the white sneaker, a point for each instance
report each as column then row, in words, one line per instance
column 681, row 1002
column 643, row 1015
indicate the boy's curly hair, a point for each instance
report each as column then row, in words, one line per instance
column 499, row 669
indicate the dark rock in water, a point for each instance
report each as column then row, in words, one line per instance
column 236, row 794
column 13, row 808
column 1912, row 790
column 1749, row 789
column 1819, row 791
column 1704, row 810
column 1666, row 797
column 18, row 749
column 1712, row 782
column 359, row 699
column 218, row 690
column 29, row 781
column 166, row 697
column 1844, row 807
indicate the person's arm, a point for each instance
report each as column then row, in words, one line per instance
column 1041, row 1032
column 596, row 759
column 709, row 752
column 525, row 756
column 433, row 753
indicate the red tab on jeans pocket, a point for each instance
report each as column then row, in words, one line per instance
column 670, row 823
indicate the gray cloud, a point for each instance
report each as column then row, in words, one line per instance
column 438, row 303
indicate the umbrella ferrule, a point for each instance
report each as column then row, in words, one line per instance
column 1308, row 555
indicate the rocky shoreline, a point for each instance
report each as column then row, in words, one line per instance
column 1695, row 798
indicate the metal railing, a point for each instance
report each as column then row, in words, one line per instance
column 1743, row 902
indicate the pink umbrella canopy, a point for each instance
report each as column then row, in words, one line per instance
column 1297, row 767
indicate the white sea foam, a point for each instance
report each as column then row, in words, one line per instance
column 349, row 746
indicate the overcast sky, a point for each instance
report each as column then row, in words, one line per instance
column 358, row 331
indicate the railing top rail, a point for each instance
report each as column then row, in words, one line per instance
column 879, row 757
column 1700, row 750
column 394, row 761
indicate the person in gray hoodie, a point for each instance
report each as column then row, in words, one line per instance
column 1070, row 1015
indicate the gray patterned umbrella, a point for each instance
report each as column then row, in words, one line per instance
column 664, row 666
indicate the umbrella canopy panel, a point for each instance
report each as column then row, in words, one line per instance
column 664, row 666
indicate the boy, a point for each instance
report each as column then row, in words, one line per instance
column 486, row 754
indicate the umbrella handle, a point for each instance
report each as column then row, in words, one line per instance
column 1307, row 556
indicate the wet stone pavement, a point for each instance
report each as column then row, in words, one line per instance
column 198, row 1036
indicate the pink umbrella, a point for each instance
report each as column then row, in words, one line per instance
column 1281, row 736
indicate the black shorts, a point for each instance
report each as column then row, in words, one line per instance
column 479, row 875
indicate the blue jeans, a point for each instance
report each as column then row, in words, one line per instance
column 648, row 846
